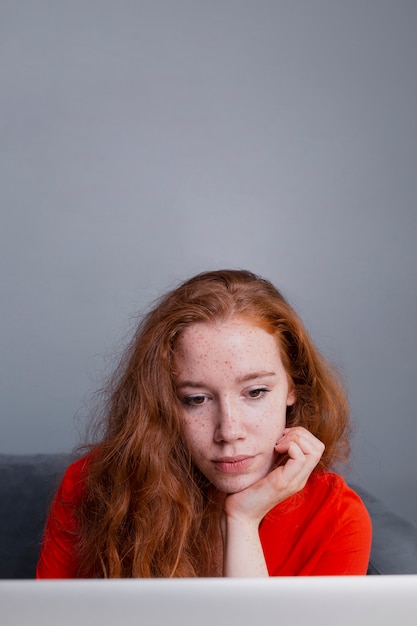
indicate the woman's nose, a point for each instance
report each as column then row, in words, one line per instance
column 229, row 424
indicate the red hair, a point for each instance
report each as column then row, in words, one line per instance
column 146, row 507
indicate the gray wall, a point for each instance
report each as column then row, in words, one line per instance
column 144, row 141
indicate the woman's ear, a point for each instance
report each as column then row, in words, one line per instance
column 291, row 397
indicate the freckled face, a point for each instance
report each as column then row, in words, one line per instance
column 233, row 393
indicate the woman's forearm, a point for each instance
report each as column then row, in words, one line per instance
column 242, row 553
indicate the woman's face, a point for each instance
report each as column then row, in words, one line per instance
column 233, row 393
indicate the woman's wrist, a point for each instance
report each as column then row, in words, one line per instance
column 242, row 549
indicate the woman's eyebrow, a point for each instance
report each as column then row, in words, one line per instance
column 189, row 383
column 195, row 384
column 254, row 376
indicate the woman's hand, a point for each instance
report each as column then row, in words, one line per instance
column 304, row 452
column 243, row 511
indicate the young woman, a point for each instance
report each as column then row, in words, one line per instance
column 221, row 425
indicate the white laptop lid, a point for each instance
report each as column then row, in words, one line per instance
column 336, row 601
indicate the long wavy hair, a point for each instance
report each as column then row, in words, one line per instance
column 146, row 510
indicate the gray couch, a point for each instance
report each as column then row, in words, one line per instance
column 27, row 484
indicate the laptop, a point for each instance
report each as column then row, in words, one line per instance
column 325, row 601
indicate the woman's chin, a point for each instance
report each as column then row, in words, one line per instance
column 236, row 484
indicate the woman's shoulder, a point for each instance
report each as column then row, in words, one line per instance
column 332, row 492
column 327, row 481
column 73, row 480
column 330, row 483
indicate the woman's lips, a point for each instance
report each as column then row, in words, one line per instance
column 233, row 465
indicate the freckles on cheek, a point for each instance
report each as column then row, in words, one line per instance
column 195, row 433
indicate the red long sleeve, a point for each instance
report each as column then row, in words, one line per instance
column 57, row 557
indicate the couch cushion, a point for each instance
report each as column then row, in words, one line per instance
column 27, row 484
column 394, row 539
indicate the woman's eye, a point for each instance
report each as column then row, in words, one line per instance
column 194, row 400
column 257, row 393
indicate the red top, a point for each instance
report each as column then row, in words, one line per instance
column 323, row 530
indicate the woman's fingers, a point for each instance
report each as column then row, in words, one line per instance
column 304, row 441
column 304, row 452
